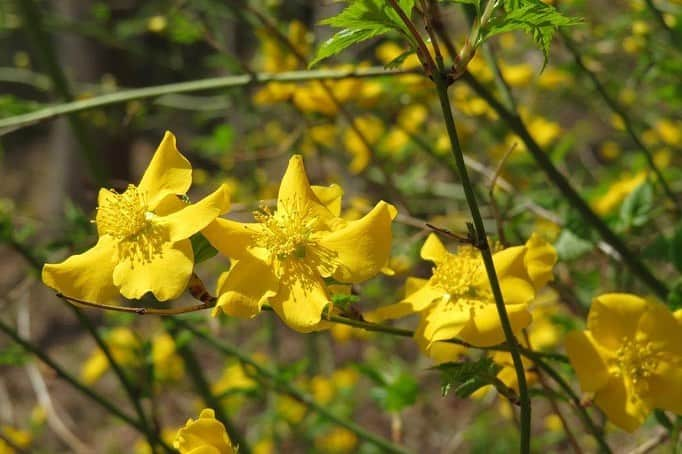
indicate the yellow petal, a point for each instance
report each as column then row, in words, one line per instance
column 412, row 284
column 586, row 358
column 433, row 249
column 509, row 262
column 300, row 301
column 661, row 328
column 169, row 172
column 516, row 290
column 231, row 238
column 423, row 297
column 329, row 196
column 86, row 276
column 362, row 248
column 614, row 316
column 443, row 322
column 243, row 290
column 165, row 273
column 390, row 312
column 94, row 367
column 192, row 218
column 205, row 435
column 539, row 260
column 615, row 401
column 485, row 329
column 665, row 387
column 295, row 192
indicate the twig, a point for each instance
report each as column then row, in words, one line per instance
column 19, row 121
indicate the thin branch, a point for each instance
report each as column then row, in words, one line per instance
column 16, row 122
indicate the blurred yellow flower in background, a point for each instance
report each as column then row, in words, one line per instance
column 629, row 358
column 204, row 435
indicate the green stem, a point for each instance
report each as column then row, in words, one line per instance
column 83, row 389
column 195, row 371
column 32, row 18
column 292, row 391
column 674, row 38
column 620, row 111
column 575, row 400
column 18, row 121
column 542, row 159
column 130, row 390
column 484, row 247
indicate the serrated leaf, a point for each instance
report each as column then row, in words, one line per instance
column 534, row 17
column 360, row 21
column 466, row 377
column 637, row 206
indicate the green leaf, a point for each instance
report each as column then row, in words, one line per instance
column 570, row 246
column 537, row 19
column 203, row 250
column 399, row 393
column 360, row 21
column 637, row 206
column 466, row 377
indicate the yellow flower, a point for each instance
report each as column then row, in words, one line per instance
column 517, row 75
column 372, row 129
column 168, row 365
column 617, row 193
column 630, row 358
column 457, row 302
column 205, row 435
column 292, row 251
column 144, row 235
column 19, row 438
column 338, row 440
column 125, row 348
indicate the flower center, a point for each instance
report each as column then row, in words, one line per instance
column 287, row 234
column 456, row 276
column 123, row 215
column 635, row 361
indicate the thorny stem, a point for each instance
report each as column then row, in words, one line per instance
column 481, row 241
column 101, row 401
column 292, row 391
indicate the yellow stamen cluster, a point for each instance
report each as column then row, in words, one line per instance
column 456, row 275
column 636, row 361
column 123, row 215
column 287, row 232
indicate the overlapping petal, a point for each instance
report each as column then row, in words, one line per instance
column 205, row 435
column 231, row 238
column 301, row 301
column 192, row 218
column 615, row 316
column 433, row 249
column 614, row 400
column 165, row 273
column 485, row 329
column 587, row 358
column 363, row 247
column 245, row 288
column 539, row 259
column 169, row 172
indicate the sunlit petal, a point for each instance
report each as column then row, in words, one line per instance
column 169, row 172
column 615, row 316
column 164, row 272
column 243, row 290
column 485, row 329
column 433, row 249
column 363, row 247
column 300, row 301
column 231, row 238
column 192, row 218
column 86, row 276
column 587, row 360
